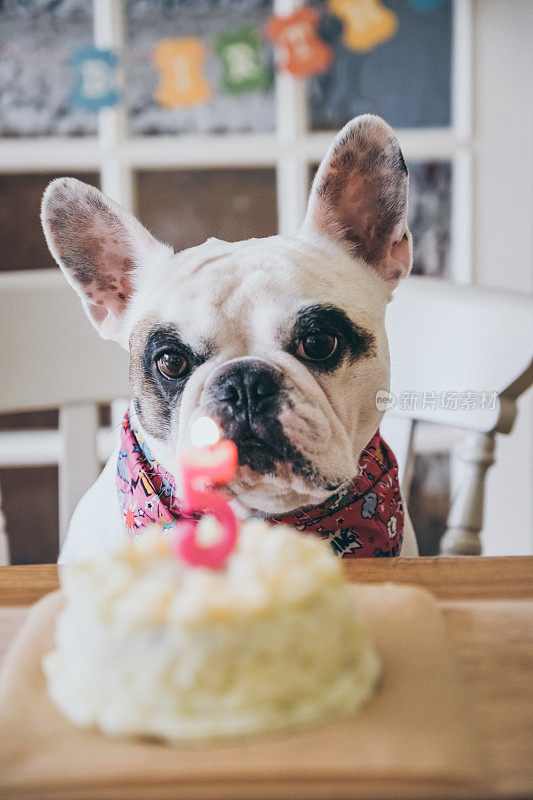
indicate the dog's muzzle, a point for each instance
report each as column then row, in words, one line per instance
column 245, row 397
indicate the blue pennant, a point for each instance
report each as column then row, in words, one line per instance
column 95, row 84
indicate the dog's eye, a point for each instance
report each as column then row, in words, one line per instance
column 172, row 365
column 317, row 346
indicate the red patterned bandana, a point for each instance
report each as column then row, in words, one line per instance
column 362, row 520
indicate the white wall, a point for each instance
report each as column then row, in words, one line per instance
column 503, row 233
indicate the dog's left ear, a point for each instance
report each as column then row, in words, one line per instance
column 359, row 197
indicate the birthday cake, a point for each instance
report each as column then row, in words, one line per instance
column 147, row 645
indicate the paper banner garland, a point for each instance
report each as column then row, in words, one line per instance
column 304, row 42
column 95, row 85
column 180, row 63
column 301, row 51
column 240, row 53
column 367, row 23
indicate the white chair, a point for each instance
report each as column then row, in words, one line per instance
column 52, row 358
column 443, row 338
column 464, row 346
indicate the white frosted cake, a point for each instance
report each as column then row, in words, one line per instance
column 146, row 645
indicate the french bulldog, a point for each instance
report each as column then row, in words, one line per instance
column 280, row 340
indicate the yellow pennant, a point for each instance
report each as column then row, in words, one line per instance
column 180, row 63
column 367, row 23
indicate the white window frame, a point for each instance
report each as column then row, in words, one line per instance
column 291, row 149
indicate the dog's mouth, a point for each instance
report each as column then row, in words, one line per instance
column 277, row 456
column 259, row 454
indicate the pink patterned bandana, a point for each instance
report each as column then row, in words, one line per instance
column 362, row 520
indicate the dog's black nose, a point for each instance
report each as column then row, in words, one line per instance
column 246, row 398
column 248, row 389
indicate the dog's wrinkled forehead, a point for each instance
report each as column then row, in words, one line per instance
column 239, row 295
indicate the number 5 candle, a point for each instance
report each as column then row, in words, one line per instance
column 210, row 461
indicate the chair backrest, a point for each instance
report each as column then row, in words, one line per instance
column 460, row 357
column 448, row 340
column 51, row 357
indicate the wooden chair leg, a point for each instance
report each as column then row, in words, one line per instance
column 465, row 520
column 4, row 541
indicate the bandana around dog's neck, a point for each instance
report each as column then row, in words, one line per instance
column 363, row 519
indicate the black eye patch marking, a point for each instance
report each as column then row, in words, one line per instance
column 155, row 395
column 168, row 340
column 354, row 342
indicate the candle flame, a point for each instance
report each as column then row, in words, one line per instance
column 204, row 432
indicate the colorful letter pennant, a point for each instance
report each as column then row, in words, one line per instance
column 367, row 23
column 302, row 51
column 240, row 53
column 95, row 78
column 180, row 63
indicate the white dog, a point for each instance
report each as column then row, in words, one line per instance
column 280, row 340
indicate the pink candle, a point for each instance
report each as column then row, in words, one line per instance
column 210, row 462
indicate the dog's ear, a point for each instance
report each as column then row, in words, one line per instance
column 99, row 247
column 359, row 197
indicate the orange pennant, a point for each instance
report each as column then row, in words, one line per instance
column 302, row 51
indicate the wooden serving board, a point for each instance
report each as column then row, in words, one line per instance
column 489, row 623
column 416, row 738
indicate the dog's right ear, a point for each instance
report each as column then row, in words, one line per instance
column 100, row 248
column 359, row 197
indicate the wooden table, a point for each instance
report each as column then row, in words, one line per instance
column 488, row 608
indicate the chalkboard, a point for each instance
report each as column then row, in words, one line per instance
column 37, row 40
column 406, row 79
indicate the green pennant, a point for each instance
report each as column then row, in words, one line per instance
column 244, row 67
